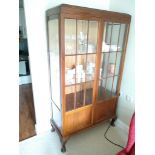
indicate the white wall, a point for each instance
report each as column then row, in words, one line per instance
column 22, row 21
column 126, row 104
column 35, row 22
column 36, row 33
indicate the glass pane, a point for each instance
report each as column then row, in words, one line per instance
column 80, row 68
column 101, row 90
column 114, row 89
column 107, row 37
column 109, row 86
column 112, row 45
column 70, row 36
column 122, row 36
column 79, row 95
column 118, row 60
column 111, row 64
column 70, row 91
column 54, row 60
column 82, row 31
column 104, row 65
column 89, row 93
column 115, row 36
column 92, row 36
column 70, row 70
column 111, row 37
column 90, row 69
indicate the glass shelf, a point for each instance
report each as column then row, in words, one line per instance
column 100, row 78
column 77, row 83
column 79, row 54
column 112, row 51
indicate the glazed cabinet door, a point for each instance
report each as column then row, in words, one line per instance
column 111, row 55
column 110, row 68
column 80, row 62
column 81, row 38
column 54, row 69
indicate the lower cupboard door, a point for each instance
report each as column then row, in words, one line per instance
column 77, row 119
column 105, row 110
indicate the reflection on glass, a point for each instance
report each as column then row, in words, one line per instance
column 112, row 57
column 122, row 36
column 101, row 89
column 111, row 64
column 107, row 37
column 70, row 70
column 79, row 95
column 113, row 37
column 69, row 91
column 92, row 36
column 118, row 61
column 90, row 68
column 109, row 86
column 54, row 60
column 82, row 34
column 70, row 36
column 89, row 93
column 104, row 65
column 115, row 84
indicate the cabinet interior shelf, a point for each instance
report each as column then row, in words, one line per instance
column 111, row 51
column 91, row 53
column 79, row 54
column 78, row 83
column 111, row 76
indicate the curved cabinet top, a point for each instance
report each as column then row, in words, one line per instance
column 73, row 11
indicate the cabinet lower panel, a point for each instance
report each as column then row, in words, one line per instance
column 77, row 119
column 81, row 118
column 105, row 110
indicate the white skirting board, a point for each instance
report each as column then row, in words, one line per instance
column 123, row 126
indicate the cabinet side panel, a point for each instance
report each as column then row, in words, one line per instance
column 54, row 61
column 55, row 76
column 57, row 116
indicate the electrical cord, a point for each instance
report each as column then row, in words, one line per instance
column 110, row 140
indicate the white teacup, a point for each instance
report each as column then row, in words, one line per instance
column 70, row 73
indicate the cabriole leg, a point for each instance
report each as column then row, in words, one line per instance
column 63, row 144
column 112, row 123
column 52, row 129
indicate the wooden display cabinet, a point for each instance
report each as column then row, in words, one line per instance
column 86, row 49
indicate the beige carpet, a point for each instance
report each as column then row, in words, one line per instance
column 88, row 142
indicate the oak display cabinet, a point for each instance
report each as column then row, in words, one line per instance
column 86, row 50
